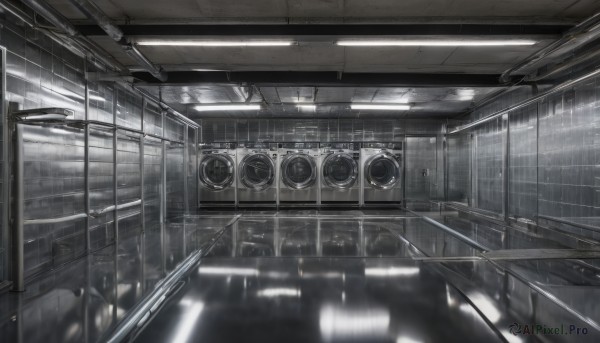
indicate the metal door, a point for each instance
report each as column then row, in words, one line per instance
column 421, row 168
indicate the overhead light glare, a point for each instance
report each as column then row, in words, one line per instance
column 240, row 107
column 387, row 107
column 307, row 107
column 213, row 43
column 510, row 42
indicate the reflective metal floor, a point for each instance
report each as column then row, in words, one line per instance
column 331, row 276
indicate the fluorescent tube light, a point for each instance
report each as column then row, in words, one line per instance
column 308, row 107
column 213, row 43
column 510, row 42
column 239, row 107
column 96, row 98
column 389, row 107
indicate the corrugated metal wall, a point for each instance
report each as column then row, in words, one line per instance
column 42, row 73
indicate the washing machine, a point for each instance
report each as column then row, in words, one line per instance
column 382, row 167
column 217, row 175
column 257, row 174
column 299, row 174
column 340, row 170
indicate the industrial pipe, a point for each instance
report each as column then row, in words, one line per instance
column 82, row 44
column 58, row 20
column 588, row 26
column 93, row 12
column 53, row 16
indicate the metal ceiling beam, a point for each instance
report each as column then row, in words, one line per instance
column 333, row 79
column 331, row 30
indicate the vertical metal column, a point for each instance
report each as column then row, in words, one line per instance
column 446, row 171
column 87, row 167
column 537, row 163
column 6, row 140
column 473, row 169
column 115, row 199
column 505, row 167
column 186, row 139
column 195, row 168
column 142, row 198
column 163, row 198
column 86, row 299
column 18, row 265
column 404, row 149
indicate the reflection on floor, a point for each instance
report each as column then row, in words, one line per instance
column 309, row 276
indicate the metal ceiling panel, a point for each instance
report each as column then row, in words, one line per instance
column 276, row 10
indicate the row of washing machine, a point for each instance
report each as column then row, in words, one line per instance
column 300, row 174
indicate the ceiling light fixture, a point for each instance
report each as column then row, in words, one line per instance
column 240, row 107
column 388, row 107
column 213, row 43
column 307, row 107
column 400, row 42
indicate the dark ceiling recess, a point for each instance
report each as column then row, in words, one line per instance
column 329, row 30
column 327, row 79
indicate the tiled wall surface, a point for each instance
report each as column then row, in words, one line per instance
column 488, row 145
column 522, row 162
column 42, row 73
column 315, row 130
column 553, row 161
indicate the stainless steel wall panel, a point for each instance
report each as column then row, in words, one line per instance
column 523, row 163
column 459, row 168
column 421, row 168
column 219, row 130
column 128, row 167
column 503, row 101
column 256, row 130
column 174, row 129
column 153, row 119
column 192, row 170
column 129, row 109
column 101, row 100
column 299, row 130
column 101, row 187
column 312, row 129
column 379, row 131
column 552, row 158
column 54, row 187
column 43, row 73
column 568, row 172
column 488, row 145
column 175, row 173
column 153, row 198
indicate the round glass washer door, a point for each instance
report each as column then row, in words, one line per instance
column 340, row 170
column 257, row 171
column 298, row 171
column 216, row 171
column 382, row 171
